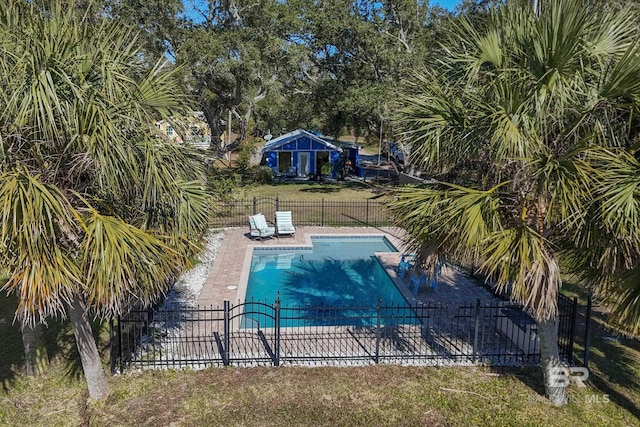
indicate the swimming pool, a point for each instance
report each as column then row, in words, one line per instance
column 337, row 271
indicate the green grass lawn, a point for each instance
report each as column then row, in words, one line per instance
column 614, row 359
column 241, row 186
column 305, row 198
column 362, row 396
column 314, row 191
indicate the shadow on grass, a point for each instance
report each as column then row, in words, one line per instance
column 58, row 343
column 329, row 188
column 332, row 184
column 530, row 376
column 612, row 366
column 11, row 351
column 613, row 362
column 613, row 359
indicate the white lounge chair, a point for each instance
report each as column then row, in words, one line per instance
column 259, row 228
column 284, row 223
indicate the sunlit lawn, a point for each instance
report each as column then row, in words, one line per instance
column 314, row 191
column 362, row 396
column 293, row 189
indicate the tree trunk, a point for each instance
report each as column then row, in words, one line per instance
column 35, row 353
column 550, row 358
column 91, row 363
column 212, row 114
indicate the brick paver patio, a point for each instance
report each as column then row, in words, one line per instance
column 229, row 274
column 443, row 327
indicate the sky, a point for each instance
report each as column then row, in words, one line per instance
column 447, row 4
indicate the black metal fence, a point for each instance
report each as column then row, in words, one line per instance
column 336, row 213
column 256, row 333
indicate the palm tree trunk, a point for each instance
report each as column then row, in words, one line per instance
column 89, row 356
column 35, row 353
column 550, row 358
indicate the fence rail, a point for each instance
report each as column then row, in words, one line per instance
column 257, row 333
column 337, row 213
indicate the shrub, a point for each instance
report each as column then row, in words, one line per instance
column 223, row 186
column 264, row 174
column 244, row 157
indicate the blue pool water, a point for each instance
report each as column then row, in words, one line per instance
column 340, row 273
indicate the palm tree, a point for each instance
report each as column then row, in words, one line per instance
column 520, row 125
column 98, row 211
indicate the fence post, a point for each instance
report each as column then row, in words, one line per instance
column 587, row 332
column 322, row 214
column 277, row 203
column 112, row 353
column 120, row 344
column 366, row 218
column 378, row 322
column 572, row 328
column 255, row 205
column 475, row 331
column 277, row 325
column 225, row 358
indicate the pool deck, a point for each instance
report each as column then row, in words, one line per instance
column 227, row 279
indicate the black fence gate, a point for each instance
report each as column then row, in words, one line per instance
column 257, row 333
column 323, row 212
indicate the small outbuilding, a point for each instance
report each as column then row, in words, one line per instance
column 300, row 154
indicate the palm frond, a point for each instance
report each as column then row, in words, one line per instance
column 518, row 261
column 79, row 105
column 621, row 294
column 124, row 264
column 548, row 102
column 621, row 79
column 37, row 222
column 454, row 222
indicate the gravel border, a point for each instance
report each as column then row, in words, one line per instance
column 186, row 290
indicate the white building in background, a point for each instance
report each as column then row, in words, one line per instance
column 192, row 129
